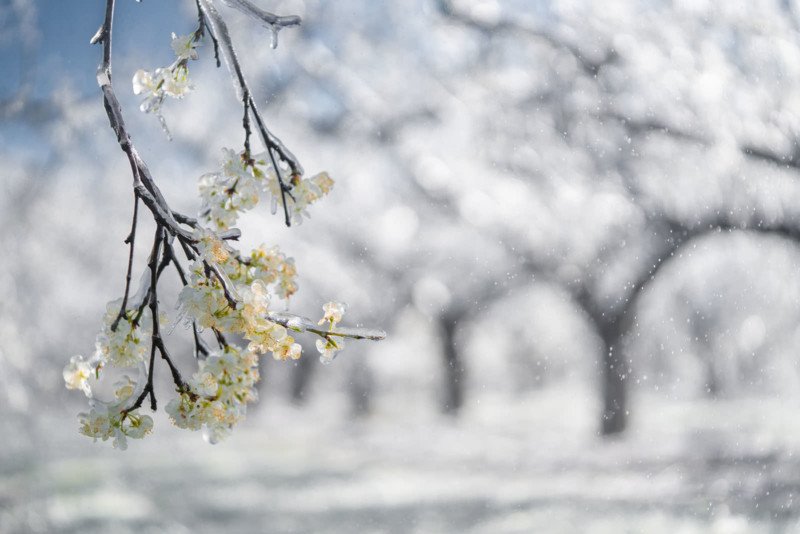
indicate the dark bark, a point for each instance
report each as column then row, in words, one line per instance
column 614, row 418
column 454, row 372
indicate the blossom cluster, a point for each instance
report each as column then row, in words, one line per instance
column 172, row 81
column 123, row 342
column 109, row 420
column 242, row 177
column 257, row 279
column 216, row 396
column 218, row 393
column 225, row 291
column 266, row 274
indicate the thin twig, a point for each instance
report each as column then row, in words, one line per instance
column 157, row 341
column 151, row 297
column 220, row 338
column 200, row 32
column 275, row 22
column 246, row 123
column 131, row 240
column 281, row 186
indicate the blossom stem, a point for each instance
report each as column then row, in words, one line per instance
column 220, row 338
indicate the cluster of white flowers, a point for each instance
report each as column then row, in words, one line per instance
column 216, row 396
column 242, row 177
column 269, row 265
column 302, row 193
column 234, row 188
column 121, row 343
column 128, row 344
column 218, row 393
column 203, row 301
column 172, row 81
column 109, row 419
column 265, row 274
column 273, row 267
column 224, row 290
column 328, row 347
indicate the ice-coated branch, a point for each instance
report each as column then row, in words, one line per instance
column 144, row 186
column 266, row 18
column 201, row 31
column 299, row 323
column 246, row 123
column 219, row 29
column 152, row 263
column 235, row 302
column 274, row 23
column 130, row 240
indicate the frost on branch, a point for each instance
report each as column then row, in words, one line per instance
column 273, row 23
column 225, row 293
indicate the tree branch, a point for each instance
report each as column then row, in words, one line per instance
column 219, row 29
column 131, row 239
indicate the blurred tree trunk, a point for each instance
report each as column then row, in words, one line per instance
column 611, row 327
column 453, row 397
column 614, row 417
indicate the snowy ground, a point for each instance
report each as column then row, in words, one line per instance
column 510, row 464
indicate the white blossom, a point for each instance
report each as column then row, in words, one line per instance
column 333, row 313
column 77, row 373
column 184, row 46
column 328, row 348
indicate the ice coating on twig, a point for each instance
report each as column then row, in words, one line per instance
column 220, row 30
column 274, row 23
column 299, row 323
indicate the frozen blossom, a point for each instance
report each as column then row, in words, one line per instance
column 242, row 178
column 184, row 46
column 301, row 194
column 333, row 313
column 224, row 291
column 328, row 347
column 218, row 393
column 172, row 81
column 110, row 420
column 233, row 189
column 266, row 274
column 77, row 373
column 124, row 342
